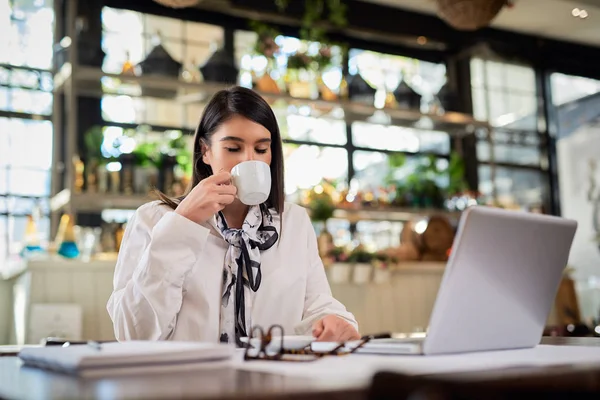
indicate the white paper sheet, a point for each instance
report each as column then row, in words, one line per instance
column 106, row 358
column 356, row 370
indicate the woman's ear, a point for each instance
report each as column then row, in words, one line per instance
column 205, row 155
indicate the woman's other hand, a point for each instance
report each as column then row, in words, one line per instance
column 334, row 329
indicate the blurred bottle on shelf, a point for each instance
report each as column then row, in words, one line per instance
column 65, row 238
column 128, row 67
column 31, row 240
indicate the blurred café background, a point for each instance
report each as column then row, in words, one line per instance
column 396, row 115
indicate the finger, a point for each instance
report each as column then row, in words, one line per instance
column 226, row 189
column 328, row 334
column 216, row 207
column 349, row 333
column 317, row 328
column 219, row 178
column 225, row 199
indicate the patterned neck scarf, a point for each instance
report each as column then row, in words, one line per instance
column 242, row 269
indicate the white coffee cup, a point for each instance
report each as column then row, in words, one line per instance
column 253, row 181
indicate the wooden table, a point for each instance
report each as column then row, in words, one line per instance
column 17, row 382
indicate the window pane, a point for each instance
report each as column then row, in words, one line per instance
column 567, row 88
column 378, row 235
column 319, row 130
column 307, row 165
column 5, row 94
column 23, row 78
column 24, row 205
column 523, row 112
column 434, row 141
column 508, row 96
column 20, row 205
column 384, row 137
column 26, row 33
column 4, row 76
column 520, row 78
column 3, row 237
column 3, row 180
column 340, row 230
column 23, row 134
column 480, row 104
column 373, row 170
column 119, row 46
column 477, row 73
column 27, row 182
column 122, row 21
column 494, row 75
column 498, row 107
column 142, row 110
column 513, row 154
column 30, row 101
column 5, row 151
column 516, row 188
column 118, row 109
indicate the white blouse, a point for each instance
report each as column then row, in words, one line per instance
column 167, row 283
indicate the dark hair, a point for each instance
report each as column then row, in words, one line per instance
column 224, row 105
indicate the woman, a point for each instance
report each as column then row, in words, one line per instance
column 205, row 266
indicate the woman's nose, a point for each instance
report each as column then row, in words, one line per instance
column 249, row 155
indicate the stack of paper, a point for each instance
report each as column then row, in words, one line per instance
column 133, row 356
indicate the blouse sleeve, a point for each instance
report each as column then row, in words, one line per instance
column 157, row 253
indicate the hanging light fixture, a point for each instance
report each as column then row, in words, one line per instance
column 178, row 3
column 470, row 15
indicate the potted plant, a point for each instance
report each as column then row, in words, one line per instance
column 382, row 264
column 338, row 265
column 145, row 175
column 322, row 207
column 300, row 77
column 267, row 47
column 362, row 268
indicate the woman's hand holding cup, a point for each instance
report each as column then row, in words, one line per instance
column 210, row 196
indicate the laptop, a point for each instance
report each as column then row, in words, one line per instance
column 498, row 287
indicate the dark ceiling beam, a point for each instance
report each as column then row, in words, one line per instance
column 187, row 14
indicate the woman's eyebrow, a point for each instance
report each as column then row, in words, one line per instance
column 231, row 138
column 238, row 139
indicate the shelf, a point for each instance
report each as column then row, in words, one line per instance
column 87, row 80
column 95, row 202
column 390, row 214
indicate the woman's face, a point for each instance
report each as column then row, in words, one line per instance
column 235, row 141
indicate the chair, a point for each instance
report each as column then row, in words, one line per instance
column 580, row 385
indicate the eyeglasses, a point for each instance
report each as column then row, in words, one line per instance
column 280, row 353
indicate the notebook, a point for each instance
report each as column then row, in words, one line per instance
column 96, row 359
